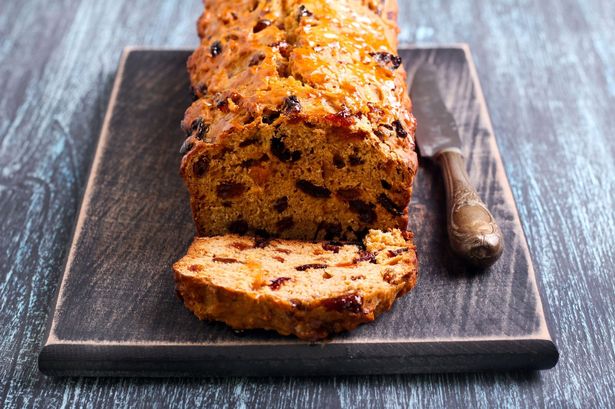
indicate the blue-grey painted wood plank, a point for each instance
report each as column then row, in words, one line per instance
column 547, row 71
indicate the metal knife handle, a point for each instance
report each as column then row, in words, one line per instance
column 472, row 231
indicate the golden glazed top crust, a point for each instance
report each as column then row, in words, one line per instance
column 327, row 62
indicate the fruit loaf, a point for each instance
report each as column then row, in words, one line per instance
column 302, row 126
column 309, row 289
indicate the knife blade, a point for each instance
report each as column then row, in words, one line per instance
column 473, row 232
column 437, row 130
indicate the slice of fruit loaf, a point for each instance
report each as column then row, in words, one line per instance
column 309, row 289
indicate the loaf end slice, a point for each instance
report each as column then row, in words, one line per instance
column 309, row 289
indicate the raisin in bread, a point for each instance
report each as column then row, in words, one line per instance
column 310, row 289
column 302, row 127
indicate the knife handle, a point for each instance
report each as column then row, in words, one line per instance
column 472, row 231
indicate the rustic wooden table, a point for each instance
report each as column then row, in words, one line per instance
column 547, row 72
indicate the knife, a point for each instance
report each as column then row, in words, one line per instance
column 472, row 230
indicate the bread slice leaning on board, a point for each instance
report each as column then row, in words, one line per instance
column 309, row 289
column 302, row 126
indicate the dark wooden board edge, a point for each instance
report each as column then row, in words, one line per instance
column 145, row 360
column 336, row 359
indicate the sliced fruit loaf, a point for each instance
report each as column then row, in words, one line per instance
column 309, row 289
column 302, row 127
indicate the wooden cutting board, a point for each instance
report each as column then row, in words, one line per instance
column 117, row 314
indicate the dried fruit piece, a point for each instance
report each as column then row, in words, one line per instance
column 389, row 60
column 261, row 25
column 281, row 204
column 338, row 161
column 282, row 69
column 199, row 128
column 202, row 88
column 389, row 205
column 215, row 48
column 364, row 210
column 365, row 255
column 311, row 189
column 291, row 105
column 310, row 266
column 200, row 166
column 385, row 185
column 284, row 49
column 332, row 246
column 222, row 105
column 241, row 245
column 343, row 118
column 226, row 260
column 235, row 97
column 344, row 303
column 256, row 59
column 229, row 190
column 399, row 129
column 397, row 252
column 280, row 151
column 384, row 131
column 303, row 12
column 277, row 283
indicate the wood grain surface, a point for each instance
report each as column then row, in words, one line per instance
column 547, row 73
